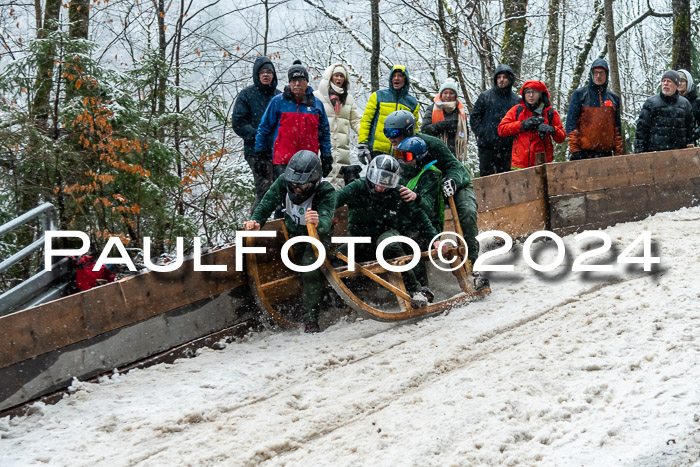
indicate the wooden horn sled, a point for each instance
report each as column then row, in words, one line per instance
column 277, row 290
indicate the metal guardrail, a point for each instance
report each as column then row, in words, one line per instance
column 50, row 222
column 37, row 289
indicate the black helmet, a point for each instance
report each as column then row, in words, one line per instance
column 399, row 122
column 383, row 171
column 413, row 149
column 303, row 171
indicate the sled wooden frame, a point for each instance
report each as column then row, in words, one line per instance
column 395, row 283
column 268, row 293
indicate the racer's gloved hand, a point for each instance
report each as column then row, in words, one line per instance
column 364, row 154
column 449, row 187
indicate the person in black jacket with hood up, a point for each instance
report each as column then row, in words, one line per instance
column 248, row 111
column 666, row 120
column 490, row 108
column 689, row 90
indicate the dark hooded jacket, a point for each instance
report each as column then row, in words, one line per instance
column 692, row 96
column 490, row 108
column 251, row 104
column 593, row 120
column 665, row 122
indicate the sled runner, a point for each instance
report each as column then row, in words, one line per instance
column 275, row 289
column 393, row 283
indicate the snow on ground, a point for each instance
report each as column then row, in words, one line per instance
column 558, row 368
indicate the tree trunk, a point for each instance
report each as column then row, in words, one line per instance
column 561, row 50
column 79, row 16
column 162, row 76
column 452, row 53
column 267, row 26
column 179, row 205
column 376, row 46
column 680, row 52
column 41, row 105
column 550, row 67
column 611, row 42
column 583, row 55
column 486, row 51
column 514, row 34
column 612, row 48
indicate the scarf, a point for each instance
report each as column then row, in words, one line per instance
column 462, row 135
column 336, row 89
column 448, row 107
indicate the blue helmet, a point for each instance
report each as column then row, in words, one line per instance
column 413, row 148
column 399, row 122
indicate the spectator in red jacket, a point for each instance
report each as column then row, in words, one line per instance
column 534, row 123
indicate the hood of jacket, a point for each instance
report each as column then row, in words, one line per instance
column 259, row 62
column 599, row 63
column 692, row 89
column 537, row 86
column 325, row 84
column 404, row 90
column 508, row 71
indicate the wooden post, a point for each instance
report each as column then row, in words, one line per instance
column 540, row 161
column 540, row 158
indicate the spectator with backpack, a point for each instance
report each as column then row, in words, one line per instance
column 534, row 123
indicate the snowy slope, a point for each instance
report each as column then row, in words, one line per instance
column 557, row 368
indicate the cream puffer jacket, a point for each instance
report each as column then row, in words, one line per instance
column 349, row 116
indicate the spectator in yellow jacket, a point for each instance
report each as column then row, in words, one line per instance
column 371, row 139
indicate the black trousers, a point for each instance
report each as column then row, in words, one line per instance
column 262, row 184
column 493, row 162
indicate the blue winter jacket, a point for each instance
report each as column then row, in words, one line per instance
column 295, row 126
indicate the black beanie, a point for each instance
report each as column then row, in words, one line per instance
column 673, row 76
column 297, row 70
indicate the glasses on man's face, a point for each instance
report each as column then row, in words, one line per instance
column 532, row 92
column 300, row 186
column 266, row 72
column 392, row 132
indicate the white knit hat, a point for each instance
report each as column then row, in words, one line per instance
column 449, row 83
column 340, row 69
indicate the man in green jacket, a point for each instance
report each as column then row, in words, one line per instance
column 377, row 211
column 308, row 200
column 456, row 181
column 423, row 189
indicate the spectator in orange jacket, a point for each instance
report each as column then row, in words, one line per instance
column 593, row 120
column 534, row 123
